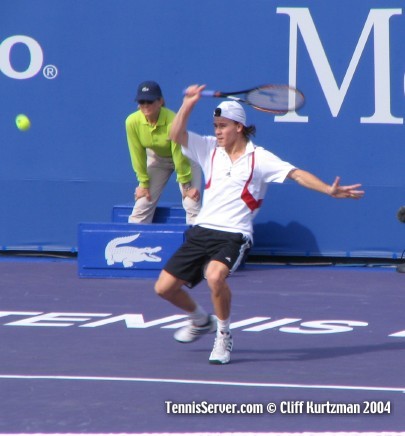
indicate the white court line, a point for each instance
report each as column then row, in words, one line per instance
column 201, row 382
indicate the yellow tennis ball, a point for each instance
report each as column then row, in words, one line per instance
column 23, row 122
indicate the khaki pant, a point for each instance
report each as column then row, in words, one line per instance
column 159, row 170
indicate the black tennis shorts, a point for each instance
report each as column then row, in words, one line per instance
column 203, row 245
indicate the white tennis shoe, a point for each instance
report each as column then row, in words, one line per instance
column 221, row 353
column 191, row 332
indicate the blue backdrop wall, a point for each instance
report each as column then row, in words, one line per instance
column 73, row 66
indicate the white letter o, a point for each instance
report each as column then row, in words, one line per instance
column 36, row 54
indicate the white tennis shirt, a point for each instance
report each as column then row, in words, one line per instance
column 233, row 190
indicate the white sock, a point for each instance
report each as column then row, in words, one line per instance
column 223, row 325
column 199, row 317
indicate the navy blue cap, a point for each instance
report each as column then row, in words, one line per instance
column 149, row 91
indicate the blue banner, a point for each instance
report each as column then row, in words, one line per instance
column 72, row 67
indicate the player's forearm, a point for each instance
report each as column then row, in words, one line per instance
column 310, row 181
column 178, row 131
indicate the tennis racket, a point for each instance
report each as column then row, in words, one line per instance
column 277, row 99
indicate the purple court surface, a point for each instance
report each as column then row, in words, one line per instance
column 317, row 350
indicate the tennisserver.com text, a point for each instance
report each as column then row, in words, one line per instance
column 283, row 407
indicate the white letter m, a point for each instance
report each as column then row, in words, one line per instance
column 377, row 20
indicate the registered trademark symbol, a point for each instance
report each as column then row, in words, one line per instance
column 50, row 72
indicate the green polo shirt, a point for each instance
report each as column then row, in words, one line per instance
column 141, row 135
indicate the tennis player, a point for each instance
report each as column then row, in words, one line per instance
column 154, row 157
column 236, row 173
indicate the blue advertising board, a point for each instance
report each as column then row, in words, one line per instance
column 72, row 66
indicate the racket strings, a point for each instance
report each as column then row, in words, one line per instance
column 275, row 98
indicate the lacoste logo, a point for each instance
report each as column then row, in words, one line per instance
column 128, row 255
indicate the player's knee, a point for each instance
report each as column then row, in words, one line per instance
column 160, row 288
column 215, row 278
column 164, row 287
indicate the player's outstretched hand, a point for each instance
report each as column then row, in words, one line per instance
column 351, row 191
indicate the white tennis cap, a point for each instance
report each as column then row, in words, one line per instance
column 231, row 110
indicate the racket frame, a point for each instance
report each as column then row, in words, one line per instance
column 245, row 100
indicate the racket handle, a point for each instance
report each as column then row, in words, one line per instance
column 204, row 93
column 207, row 93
